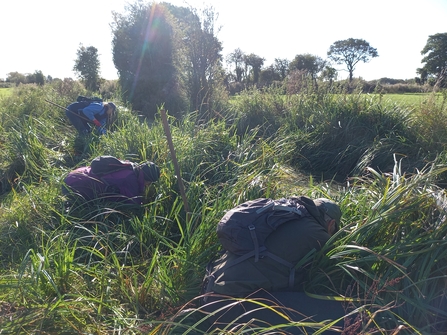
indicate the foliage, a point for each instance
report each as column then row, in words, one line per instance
column 389, row 247
column 350, row 52
column 435, row 59
column 253, row 64
column 282, row 67
column 18, row 78
column 299, row 81
column 36, row 78
column 110, row 268
column 311, row 64
column 237, row 58
column 168, row 56
column 261, row 109
column 269, row 77
column 145, row 55
column 248, row 68
column 202, row 63
column 109, row 89
column 87, row 66
column 365, row 131
column 329, row 74
column 360, row 130
column 67, row 90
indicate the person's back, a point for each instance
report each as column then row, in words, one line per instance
column 83, row 114
column 269, row 282
column 129, row 184
column 290, row 241
column 120, row 186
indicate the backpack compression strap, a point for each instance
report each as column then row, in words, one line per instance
column 274, row 207
column 285, row 263
column 252, row 230
column 262, row 251
column 271, row 206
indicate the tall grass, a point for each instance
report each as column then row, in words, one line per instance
column 111, row 268
column 389, row 254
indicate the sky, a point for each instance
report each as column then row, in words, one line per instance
column 45, row 35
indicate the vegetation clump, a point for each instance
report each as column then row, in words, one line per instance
column 110, row 267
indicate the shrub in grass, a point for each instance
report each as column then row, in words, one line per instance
column 335, row 135
column 261, row 109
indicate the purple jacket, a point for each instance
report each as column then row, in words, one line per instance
column 124, row 185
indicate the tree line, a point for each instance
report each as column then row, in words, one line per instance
column 30, row 78
column 171, row 56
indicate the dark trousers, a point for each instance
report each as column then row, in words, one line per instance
column 263, row 309
column 77, row 118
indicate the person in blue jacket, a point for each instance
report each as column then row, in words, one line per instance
column 86, row 114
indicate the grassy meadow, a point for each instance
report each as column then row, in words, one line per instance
column 4, row 92
column 110, row 268
column 413, row 99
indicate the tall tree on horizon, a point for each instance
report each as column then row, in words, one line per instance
column 87, row 66
column 237, row 58
column 281, row 66
column 201, row 61
column 146, row 57
column 167, row 55
column 255, row 63
column 311, row 64
column 351, row 52
column 435, row 59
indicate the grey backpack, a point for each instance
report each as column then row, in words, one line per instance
column 244, row 229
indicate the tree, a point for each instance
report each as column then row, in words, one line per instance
column 87, row 66
column 423, row 75
column 16, row 78
column 237, row 58
column 147, row 55
column 203, row 62
column 329, row 74
column 30, row 78
column 40, row 78
column 435, row 59
column 350, row 52
column 281, row 66
column 36, row 78
column 311, row 64
column 269, row 75
column 254, row 62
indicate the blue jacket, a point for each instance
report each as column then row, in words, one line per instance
column 96, row 110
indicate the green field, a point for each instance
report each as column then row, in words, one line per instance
column 5, row 92
column 413, row 99
column 404, row 99
column 407, row 99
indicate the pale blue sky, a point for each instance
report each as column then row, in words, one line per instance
column 45, row 35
